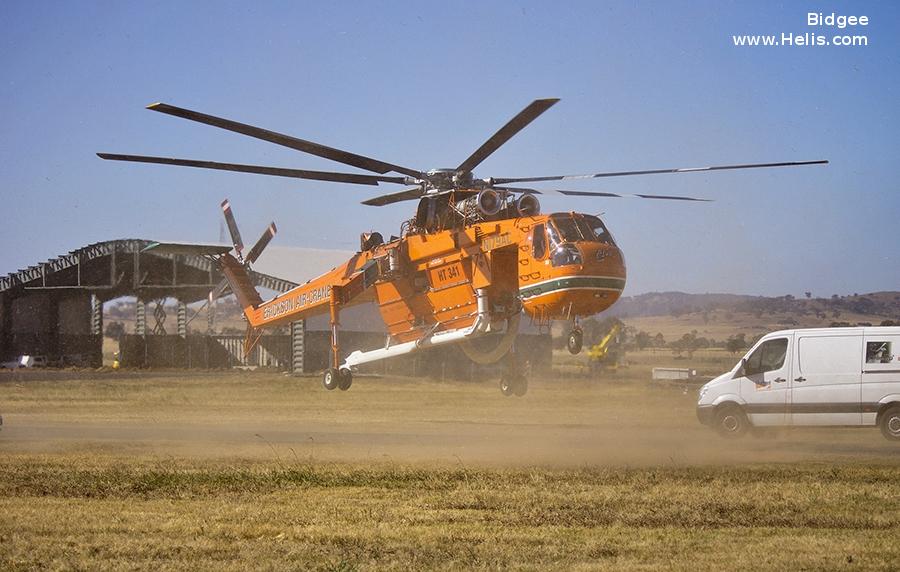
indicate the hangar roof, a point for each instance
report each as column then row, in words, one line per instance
column 116, row 268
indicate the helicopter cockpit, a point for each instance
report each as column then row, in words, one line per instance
column 565, row 232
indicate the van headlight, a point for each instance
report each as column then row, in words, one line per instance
column 703, row 391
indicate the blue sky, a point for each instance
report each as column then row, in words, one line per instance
column 423, row 84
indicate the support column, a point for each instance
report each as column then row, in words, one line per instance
column 181, row 319
column 211, row 317
column 5, row 325
column 140, row 326
column 298, row 346
column 159, row 317
column 96, row 315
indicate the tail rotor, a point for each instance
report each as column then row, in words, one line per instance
column 238, row 243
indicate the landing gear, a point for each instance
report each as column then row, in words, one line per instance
column 575, row 341
column 345, row 379
column 334, row 378
column 513, row 385
column 513, row 380
column 331, row 379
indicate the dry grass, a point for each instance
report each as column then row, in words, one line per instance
column 231, row 471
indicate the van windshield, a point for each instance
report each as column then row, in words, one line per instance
column 767, row 357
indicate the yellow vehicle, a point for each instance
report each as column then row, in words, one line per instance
column 606, row 353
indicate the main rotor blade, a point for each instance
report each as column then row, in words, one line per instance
column 261, row 244
column 513, row 126
column 260, row 170
column 598, row 194
column 404, row 195
column 232, row 227
column 317, row 149
column 502, row 181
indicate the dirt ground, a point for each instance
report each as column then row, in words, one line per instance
column 235, row 470
column 565, row 423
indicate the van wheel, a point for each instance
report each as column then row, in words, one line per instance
column 731, row 422
column 890, row 423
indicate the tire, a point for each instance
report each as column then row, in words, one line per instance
column 331, row 378
column 575, row 342
column 889, row 423
column 520, row 388
column 731, row 422
column 345, row 379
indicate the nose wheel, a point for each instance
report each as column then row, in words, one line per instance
column 575, row 341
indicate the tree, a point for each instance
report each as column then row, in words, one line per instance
column 115, row 330
column 735, row 343
column 808, row 295
column 642, row 339
column 688, row 343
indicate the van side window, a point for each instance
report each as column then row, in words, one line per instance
column 879, row 352
column 767, row 357
column 538, row 242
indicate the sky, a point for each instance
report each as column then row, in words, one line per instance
column 642, row 85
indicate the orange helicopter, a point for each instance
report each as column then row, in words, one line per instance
column 475, row 255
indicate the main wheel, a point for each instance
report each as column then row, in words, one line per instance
column 520, row 388
column 890, row 423
column 731, row 421
column 575, row 341
column 331, row 379
column 345, row 379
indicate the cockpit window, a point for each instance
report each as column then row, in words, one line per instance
column 580, row 227
column 563, row 231
column 568, row 229
column 598, row 229
column 539, row 242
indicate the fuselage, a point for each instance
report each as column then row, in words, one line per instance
column 561, row 265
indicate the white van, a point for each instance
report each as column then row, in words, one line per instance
column 834, row 376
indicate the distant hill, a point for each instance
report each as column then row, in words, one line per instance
column 718, row 317
column 883, row 305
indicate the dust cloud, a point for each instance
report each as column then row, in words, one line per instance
column 559, row 423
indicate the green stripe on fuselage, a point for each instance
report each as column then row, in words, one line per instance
column 572, row 282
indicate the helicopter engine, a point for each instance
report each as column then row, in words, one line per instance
column 485, row 204
column 528, row 205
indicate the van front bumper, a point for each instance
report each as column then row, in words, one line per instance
column 705, row 414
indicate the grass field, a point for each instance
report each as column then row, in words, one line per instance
column 159, row 470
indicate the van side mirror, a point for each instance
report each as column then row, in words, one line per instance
column 742, row 370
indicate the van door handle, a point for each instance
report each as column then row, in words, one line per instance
column 801, row 379
column 779, row 380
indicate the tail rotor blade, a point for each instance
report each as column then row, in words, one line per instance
column 232, row 227
column 217, row 292
column 261, row 244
